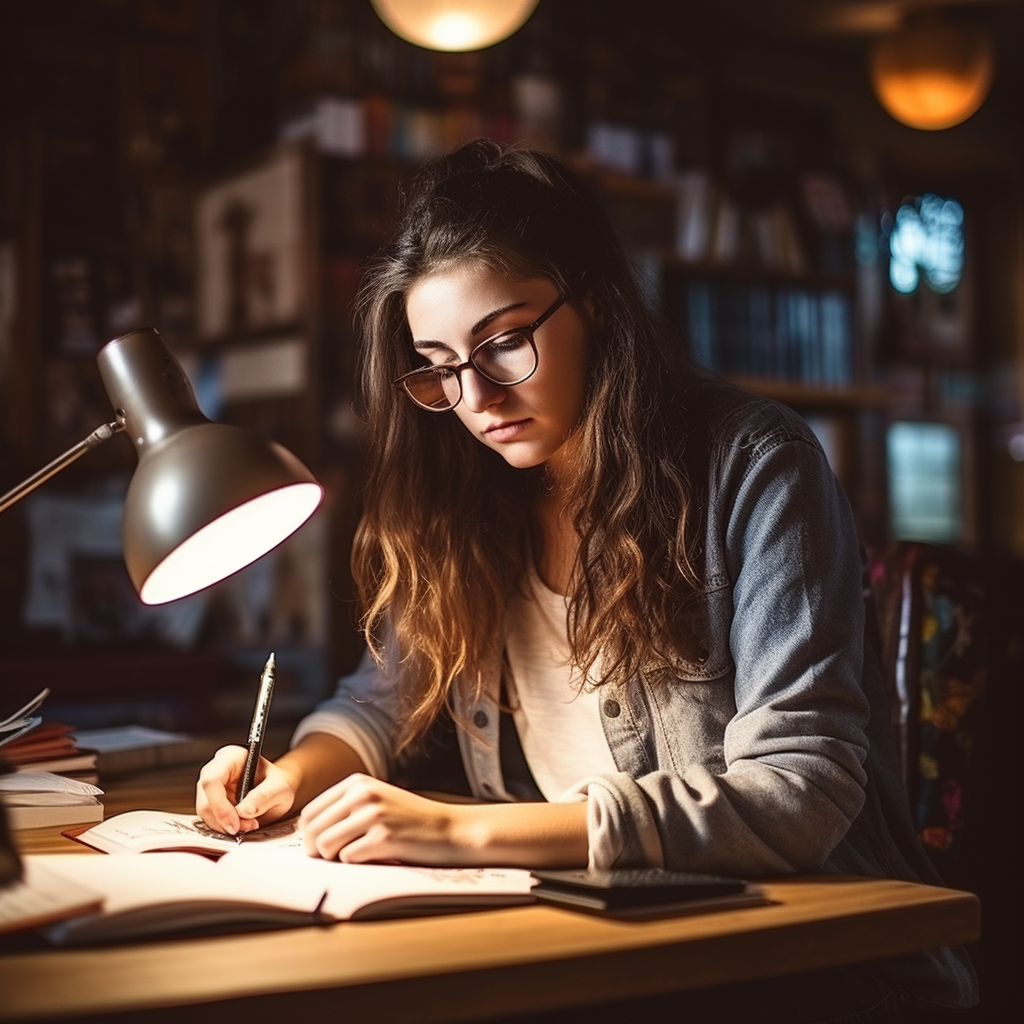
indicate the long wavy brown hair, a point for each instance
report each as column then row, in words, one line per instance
column 445, row 533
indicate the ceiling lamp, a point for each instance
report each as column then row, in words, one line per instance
column 454, row 25
column 934, row 72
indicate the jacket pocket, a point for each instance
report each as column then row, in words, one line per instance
column 709, row 621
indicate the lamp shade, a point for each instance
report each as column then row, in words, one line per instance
column 206, row 498
column 933, row 72
column 454, row 25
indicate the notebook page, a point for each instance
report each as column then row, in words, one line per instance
column 41, row 897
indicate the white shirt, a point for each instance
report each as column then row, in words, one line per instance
column 557, row 719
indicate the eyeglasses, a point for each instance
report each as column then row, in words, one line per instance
column 507, row 358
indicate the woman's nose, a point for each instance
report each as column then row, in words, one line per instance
column 478, row 392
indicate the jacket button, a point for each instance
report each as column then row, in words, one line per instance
column 480, row 719
column 703, row 654
column 612, row 708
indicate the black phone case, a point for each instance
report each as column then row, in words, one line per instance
column 621, row 888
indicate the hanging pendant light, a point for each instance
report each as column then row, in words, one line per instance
column 934, row 72
column 454, row 25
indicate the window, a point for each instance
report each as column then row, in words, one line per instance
column 926, row 482
column 926, row 241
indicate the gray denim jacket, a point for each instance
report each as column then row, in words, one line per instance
column 771, row 754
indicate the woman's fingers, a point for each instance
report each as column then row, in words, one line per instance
column 216, row 787
column 332, row 811
column 362, row 819
column 269, row 799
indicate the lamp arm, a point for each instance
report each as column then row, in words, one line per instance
column 94, row 440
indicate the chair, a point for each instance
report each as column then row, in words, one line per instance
column 933, row 614
column 952, row 627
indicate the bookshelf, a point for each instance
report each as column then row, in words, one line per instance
column 782, row 308
column 743, row 211
column 774, row 326
column 793, row 338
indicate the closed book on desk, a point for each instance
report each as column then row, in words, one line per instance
column 51, row 747
column 41, row 742
column 74, row 766
column 124, row 749
column 36, row 799
column 54, row 815
column 254, row 888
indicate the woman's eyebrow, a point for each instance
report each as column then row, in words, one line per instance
column 493, row 315
column 423, row 346
column 480, row 325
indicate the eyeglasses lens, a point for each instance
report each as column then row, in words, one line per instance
column 506, row 359
column 434, row 389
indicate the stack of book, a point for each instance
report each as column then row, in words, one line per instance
column 48, row 778
column 52, row 747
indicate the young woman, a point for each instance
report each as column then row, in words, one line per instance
column 637, row 591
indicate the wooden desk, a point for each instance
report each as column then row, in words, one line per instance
column 467, row 966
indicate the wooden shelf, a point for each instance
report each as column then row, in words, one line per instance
column 758, row 275
column 814, row 396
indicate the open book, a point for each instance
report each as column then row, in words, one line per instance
column 261, row 887
column 267, row 880
column 149, row 831
column 40, row 897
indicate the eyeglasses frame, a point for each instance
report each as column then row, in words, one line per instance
column 529, row 330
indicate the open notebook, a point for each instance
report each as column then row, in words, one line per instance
column 42, row 897
column 260, row 887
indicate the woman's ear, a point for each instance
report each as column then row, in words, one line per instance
column 591, row 309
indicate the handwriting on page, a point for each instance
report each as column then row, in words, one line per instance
column 278, row 832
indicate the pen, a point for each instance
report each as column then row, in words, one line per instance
column 259, row 721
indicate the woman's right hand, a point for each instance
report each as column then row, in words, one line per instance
column 271, row 798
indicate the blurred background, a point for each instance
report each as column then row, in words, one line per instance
column 221, row 169
column 825, row 198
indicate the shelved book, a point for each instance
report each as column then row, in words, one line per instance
column 782, row 332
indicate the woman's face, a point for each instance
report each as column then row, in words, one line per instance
column 451, row 312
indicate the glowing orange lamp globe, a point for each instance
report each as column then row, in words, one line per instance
column 933, row 73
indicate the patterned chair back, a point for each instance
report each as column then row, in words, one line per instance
column 932, row 606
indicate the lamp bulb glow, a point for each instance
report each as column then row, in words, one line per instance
column 454, row 25
column 231, row 542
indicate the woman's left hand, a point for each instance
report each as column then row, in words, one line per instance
column 363, row 819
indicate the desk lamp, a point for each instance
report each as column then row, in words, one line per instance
column 206, row 499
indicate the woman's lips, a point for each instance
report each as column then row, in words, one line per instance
column 505, row 431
